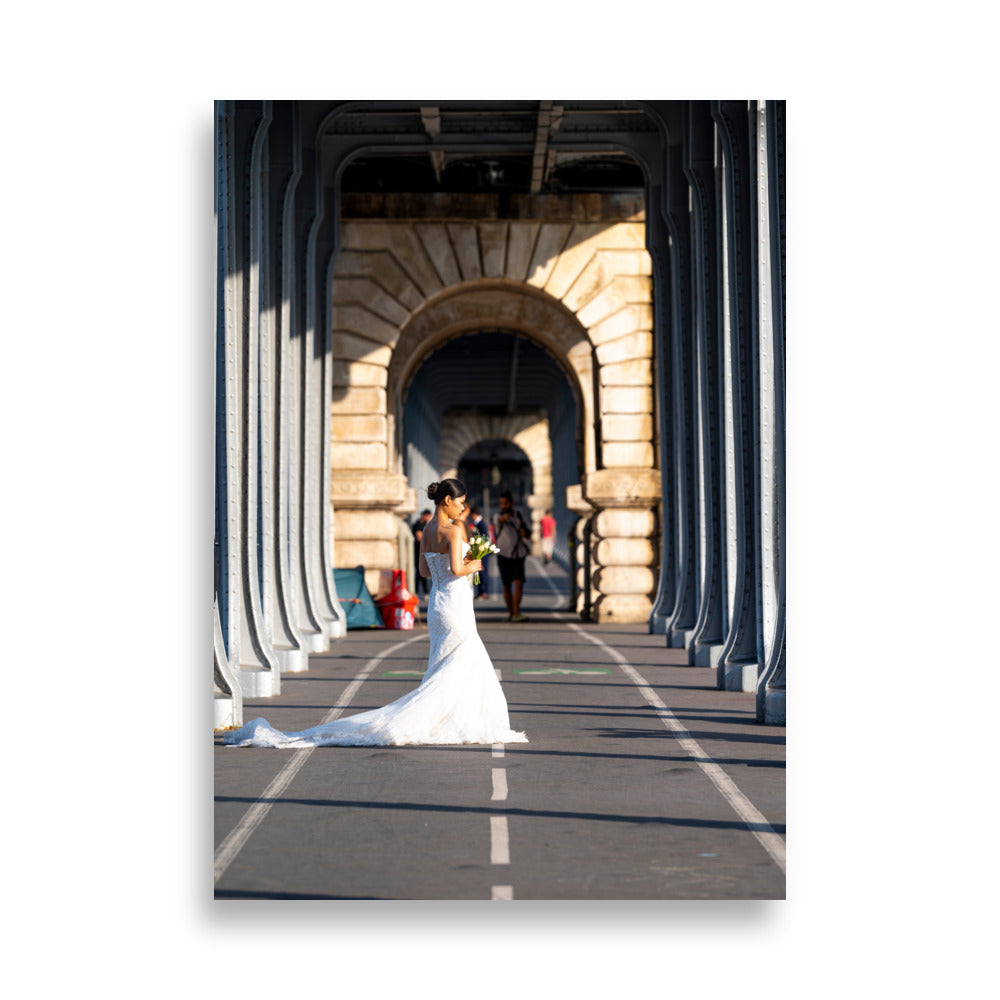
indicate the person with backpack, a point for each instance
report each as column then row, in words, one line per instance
column 513, row 539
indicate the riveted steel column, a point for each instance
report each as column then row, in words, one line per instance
column 227, row 704
column 770, row 283
column 737, row 667
column 277, row 176
column 660, row 247
column 227, row 447
column 338, row 628
column 317, row 433
column 675, row 608
column 705, row 643
column 683, row 615
column 307, row 629
column 326, row 251
column 259, row 672
column 304, row 473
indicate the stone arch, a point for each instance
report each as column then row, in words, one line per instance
column 401, row 287
column 513, row 308
column 529, row 431
column 582, row 289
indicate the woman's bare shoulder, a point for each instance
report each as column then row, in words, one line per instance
column 440, row 537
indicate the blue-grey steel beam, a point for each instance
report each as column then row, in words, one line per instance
column 309, row 631
column 705, row 643
column 770, row 696
column 737, row 667
column 227, row 593
column 279, row 176
column 227, row 709
column 308, row 489
column 660, row 245
column 259, row 671
column 318, row 398
column 681, row 620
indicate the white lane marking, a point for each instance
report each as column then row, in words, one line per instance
column 758, row 825
column 497, row 749
column 497, row 671
column 254, row 816
column 540, row 567
column 499, row 842
column 502, row 892
column 499, row 785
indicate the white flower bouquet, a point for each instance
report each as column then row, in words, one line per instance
column 480, row 546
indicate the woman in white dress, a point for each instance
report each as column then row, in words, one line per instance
column 459, row 699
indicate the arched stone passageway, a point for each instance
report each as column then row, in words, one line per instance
column 528, row 433
column 582, row 292
column 490, row 466
column 495, row 385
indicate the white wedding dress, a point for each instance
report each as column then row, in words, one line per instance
column 459, row 699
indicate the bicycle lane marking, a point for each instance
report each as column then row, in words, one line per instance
column 499, row 836
column 227, row 851
column 539, row 567
column 754, row 819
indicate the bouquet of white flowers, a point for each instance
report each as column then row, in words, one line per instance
column 479, row 546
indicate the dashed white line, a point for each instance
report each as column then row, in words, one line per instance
column 499, row 785
column 499, row 842
column 502, row 892
column 497, row 749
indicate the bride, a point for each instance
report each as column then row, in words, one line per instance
column 459, row 699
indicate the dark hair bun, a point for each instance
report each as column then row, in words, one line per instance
column 439, row 492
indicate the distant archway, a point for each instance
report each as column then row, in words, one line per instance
column 491, row 467
column 528, row 433
column 495, row 305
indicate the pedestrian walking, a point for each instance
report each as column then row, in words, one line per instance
column 548, row 528
column 512, row 539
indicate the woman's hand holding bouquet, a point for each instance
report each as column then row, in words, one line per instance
column 480, row 546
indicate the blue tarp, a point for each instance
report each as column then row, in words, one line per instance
column 355, row 598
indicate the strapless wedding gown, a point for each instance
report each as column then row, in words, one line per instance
column 458, row 701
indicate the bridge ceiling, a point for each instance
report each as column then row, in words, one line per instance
column 496, row 146
column 485, row 371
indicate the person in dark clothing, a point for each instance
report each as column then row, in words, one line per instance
column 513, row 540
column 422, row 586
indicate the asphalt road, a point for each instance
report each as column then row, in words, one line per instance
column 641, row 780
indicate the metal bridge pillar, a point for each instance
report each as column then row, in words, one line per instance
column 273, row 601
column 769, row 172
column 717, row 246
column 676, row 608
column 240, row 136
column 705, row 644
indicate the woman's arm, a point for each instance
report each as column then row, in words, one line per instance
column 458, row 566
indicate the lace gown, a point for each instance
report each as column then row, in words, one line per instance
column 458, row 701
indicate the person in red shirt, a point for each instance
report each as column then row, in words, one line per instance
column 548, row 526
